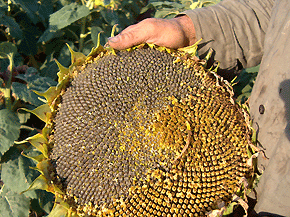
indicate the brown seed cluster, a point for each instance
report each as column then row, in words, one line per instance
column 141, row 134
column 211, row 160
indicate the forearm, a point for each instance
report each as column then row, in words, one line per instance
column 235, row 29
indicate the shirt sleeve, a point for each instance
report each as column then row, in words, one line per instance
column 234, row 29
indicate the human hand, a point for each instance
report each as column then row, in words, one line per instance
column 173, row 33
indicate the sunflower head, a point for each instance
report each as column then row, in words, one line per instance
column 146, row 131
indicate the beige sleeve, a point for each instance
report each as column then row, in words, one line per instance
column 234, row 29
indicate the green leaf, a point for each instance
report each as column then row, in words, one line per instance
column 17, row 175
column 28, row 44
column 35, row 81
column 162, row 4
column 243, row 97
column 13, row 204
column 46, row 200
column 254, row 69
column 95, row 30
column 7, row 49
column 36, row 10
column 166, row 13
column 110, row 16
column 133, row 7
column 65, row 2
column 4, row 63
column 247, row 88
column 49, row 68
column 49, row 34
column 14, row 29
column 45, row 8
column 3, row 7
column 89, row 45
column 125, row 19
column 65, row 55
column 9, row 129
column 244, row 83
column 23, row 117
column 68, row 15
column 27, row 95
column 12, row 153
column 146, row 8
column 165, row 9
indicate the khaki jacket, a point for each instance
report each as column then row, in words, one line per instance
column 244, row 33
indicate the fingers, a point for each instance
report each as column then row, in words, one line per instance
column 173, row 33
column 131, row 36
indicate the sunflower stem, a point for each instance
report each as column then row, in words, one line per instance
column 7, row 89
column 83, row 29
column 24, row 127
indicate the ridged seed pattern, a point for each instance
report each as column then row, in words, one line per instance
column 142, row 134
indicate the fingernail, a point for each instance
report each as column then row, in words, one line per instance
column 114, row 39
column 106, row 45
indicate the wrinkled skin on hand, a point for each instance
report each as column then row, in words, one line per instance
column 172, row 33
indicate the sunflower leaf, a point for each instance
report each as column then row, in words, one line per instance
column 13, row 204
column 22, row 92
column 67, row 15
column 9, row 129
column 17, row 175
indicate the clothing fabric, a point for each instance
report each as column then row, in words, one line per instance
column 249, row 32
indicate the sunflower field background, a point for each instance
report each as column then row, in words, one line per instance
column 33, row 34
